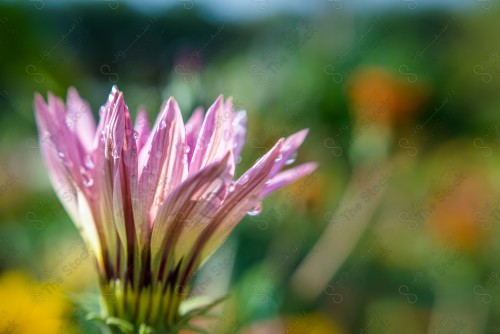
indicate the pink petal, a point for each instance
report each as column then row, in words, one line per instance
column 104, row 115
column 59, row 174
column 288, row 176
column 290, row 147
column 109, row 158
column 193, row 127
column 164, row 155
column 188, row 204
column 127, row 183
column 239, row 131
column 237, row 203
column 142, row 129
column 79, row 119
column 53, row 132
column 51, row 120
column 211, row 145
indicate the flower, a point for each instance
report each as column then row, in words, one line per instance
column 28, row 306
column 380, row 97
column 152, row 205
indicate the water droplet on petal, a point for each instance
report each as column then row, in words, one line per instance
column 88, row 162
column 231, row 187
column 60, row 155
column 86, row 178
column 87, row 181
column 278, row 158
column 136, row 135
column 163, row 124
column 292, row 159
column 187, row 149
column 116, row 154
column 70, row 124
column 256, row 210
column 244, row 179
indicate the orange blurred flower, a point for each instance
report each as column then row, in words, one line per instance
column 458, row 206
column 314, row 323
column 380, row 97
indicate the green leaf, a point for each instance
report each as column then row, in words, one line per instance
column 124, row 325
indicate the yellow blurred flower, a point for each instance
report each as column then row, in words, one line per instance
column 28, row 307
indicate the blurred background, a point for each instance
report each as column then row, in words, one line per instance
column 396, row 232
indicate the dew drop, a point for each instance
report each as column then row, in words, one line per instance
column 70, row 124
column 244, row 179
column 86, row 178
column 88, row 162
column 256, row 210
column 61, row 155
column 163, row 124
column 187, row 149
column 87, row 181
column 231, row 187
column 116, row 154
column 292, row 159
column 278, row 158
column 136, row 135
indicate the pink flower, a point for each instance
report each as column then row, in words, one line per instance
column 152, row 205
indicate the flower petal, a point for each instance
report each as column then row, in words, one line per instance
column 288, row 176
column 186, row 205
column 237, row 203
column 51, row 118
column 86, row 222
column 108, row 159
column 211, row 145
column 79, row 119
column 290, row 147
column 142, row 129
column 165, row 160
column 193, row 127
column 239, row 131
column 59, row 174
column 125, row 198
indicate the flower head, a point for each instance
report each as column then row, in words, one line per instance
column 153, row 204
